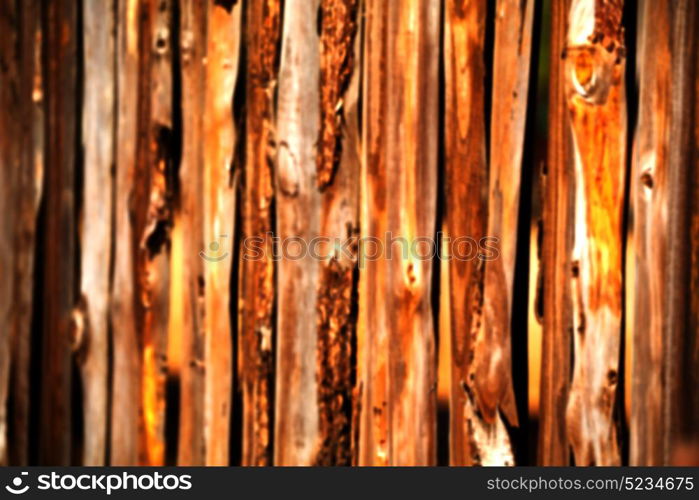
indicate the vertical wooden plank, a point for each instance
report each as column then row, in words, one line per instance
column 492, row 363
column 256, row 302
column 557, row 218
column 220, row 186
column 338, row 168
column 152, row 219
column 126, row 359
column 21, row 150
column 650, row 189
column 191, row 448
column 400, row 132
column 465, row 190
column 298, row 208
column 595, row 97
column 55, row 435
column 90, row 317
column 680, row 358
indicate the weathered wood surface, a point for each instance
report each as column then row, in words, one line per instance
column 191, row 447
column 126, row 358
column 466, row 177
column 339, row 157
column 220, row 186
column 90, row 316
column 256, row 298
column 396, row 337
column 650, row 190
column 557, row 241
column 492, row 363
column 595, row 96
column 56, row 436
column 21, row 157
column 298, row 209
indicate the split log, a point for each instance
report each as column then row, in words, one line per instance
column 466, row 188
column 256, row 300
column 557, row 195
column 396, row 335
column 297, row 211
column 91, row 315
column 21, row 153
column 338, row 169
column 595, row 96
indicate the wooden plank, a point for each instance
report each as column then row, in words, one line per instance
column 21, row 150
column 650, row 189
column 256, row 301
column 492, row 348
column 466, row 208
column 191, row 448
column 396, row 341
column 595, row 96
column 55, row 435
column 297, row 211
column 219, row 202
column 152, row 199
column 91, row 315
column 125, row 402
column 338, row 165
column 557, row 191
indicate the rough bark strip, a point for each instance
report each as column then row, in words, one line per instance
column 595, row 97
column 298, row 208
column 220, row 188
column 126, row 359
column 492, row 368
column 338, row 30
column 21, row 150
column 256, row 303
column 191, row 449
column 650, row 195
column 340, row 79
column 557, row 189
column 401, row 124
column 152, row 200
column 55, row 434
column 466, row 187
column 90, row 317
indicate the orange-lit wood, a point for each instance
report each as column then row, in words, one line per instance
column 595, row 96
column 397, row 374
column 256, row 299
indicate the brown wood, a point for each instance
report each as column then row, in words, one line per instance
column 492, row 363
column 55, row 435
column 91, row 314
column 298, row 208
column 466, row 205
column 396, row 337
column 595, row 95
column 557, row 191
column 21, row 150
column 191, row 447
column 219, row 197
column 338, row 154
column 126, row 358
column 256, row 300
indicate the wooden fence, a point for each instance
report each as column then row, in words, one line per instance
column 148, row 146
